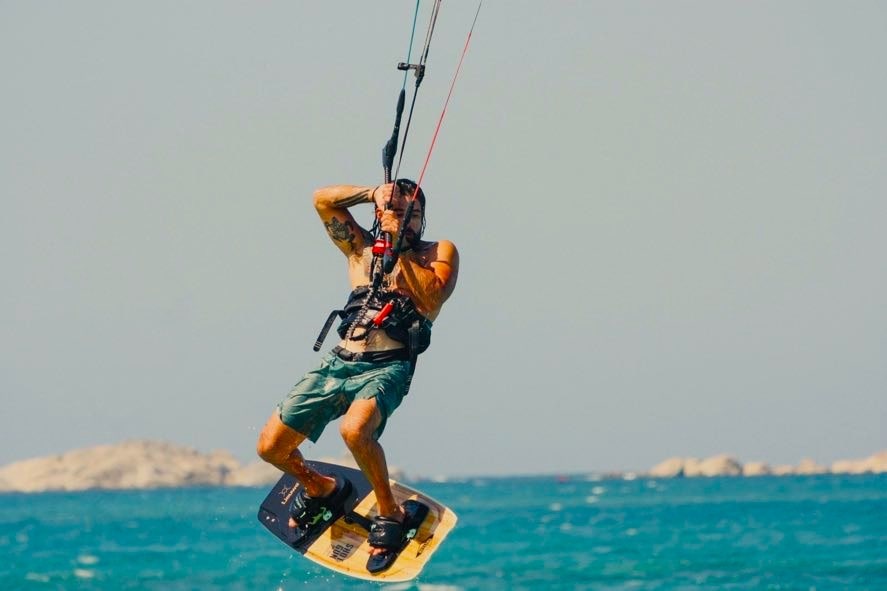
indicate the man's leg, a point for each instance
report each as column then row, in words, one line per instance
column 279, row 445
column 357, row 428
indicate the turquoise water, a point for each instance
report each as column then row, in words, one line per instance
column 824, row 532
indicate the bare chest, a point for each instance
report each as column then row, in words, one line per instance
column 361, row 269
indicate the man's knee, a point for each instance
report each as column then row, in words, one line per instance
column 266, row 448
column 272, row 446
column 359, row 425
column 356, row 433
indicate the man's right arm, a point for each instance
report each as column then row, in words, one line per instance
column 332, row 205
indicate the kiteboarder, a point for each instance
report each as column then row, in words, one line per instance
column 385, row 324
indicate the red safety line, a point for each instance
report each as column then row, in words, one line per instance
column 444, row 112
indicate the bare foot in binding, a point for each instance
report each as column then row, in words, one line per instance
column 309, row 514
column 390, row 535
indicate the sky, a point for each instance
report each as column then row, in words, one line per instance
column 669, row 217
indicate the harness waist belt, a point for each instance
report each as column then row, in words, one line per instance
column 402, row 354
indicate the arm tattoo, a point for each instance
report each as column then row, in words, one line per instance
column 351, row 200
column 341, row 232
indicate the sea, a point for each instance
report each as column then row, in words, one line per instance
column 543, row 532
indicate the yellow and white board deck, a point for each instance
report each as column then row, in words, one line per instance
column 343, row 546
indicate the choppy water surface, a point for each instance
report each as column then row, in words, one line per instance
column 823, row 532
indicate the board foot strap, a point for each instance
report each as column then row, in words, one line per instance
column 361, row 520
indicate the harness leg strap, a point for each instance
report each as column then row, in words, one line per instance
column 326, row 328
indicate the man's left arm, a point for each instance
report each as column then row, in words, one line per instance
column 432, row 283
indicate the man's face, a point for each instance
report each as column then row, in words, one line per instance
column 414, row 224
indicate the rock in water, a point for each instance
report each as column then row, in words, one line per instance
column 808, row 467
column 668, row 469
column 875, row 464
column 721, row 465
column 756, row 469
column 142, row 464
column 724, row 465
column 131, row 464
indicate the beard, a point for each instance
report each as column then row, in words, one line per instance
column 411, row 237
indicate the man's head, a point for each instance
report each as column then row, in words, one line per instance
column 415, row 226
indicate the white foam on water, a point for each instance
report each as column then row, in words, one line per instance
column 37, row 577
column 592, row 499
column 555, row 507
column 598, row 490
column 88, row 559
column 432, row 587
column 84, row 573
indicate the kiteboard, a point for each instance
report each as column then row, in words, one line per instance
column 342, row 546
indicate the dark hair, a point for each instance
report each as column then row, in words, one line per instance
column 409, row 186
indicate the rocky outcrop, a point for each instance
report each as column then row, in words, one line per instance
column 669, row 468
column 808, row 467
column 257, row 473
column 783, row 470
column 756, row 469
column 724, row 465
column 721, row 465
column 131, row 464
column 875, row 464
column 142, row 464
column 153, row 464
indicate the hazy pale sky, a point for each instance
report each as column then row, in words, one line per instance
column 670, row 217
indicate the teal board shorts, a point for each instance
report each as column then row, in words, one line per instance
column 324, row 394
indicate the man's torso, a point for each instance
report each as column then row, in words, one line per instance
column 359, row 269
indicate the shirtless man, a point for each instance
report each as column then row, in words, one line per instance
column 366, row 376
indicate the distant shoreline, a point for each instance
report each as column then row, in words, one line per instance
column 141, row 464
